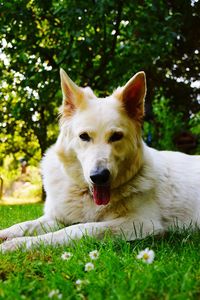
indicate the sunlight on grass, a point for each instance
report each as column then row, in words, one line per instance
column 21, row 188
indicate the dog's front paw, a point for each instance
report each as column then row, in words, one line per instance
column 11, row 232
column 15, row 244
column 4, row 235
column 10, row 245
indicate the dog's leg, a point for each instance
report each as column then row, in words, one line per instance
column 121, row 227
column 39, row 226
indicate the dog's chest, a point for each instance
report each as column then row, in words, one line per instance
column 81, row 209
column 78, row 207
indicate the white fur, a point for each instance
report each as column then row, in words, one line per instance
column 150, row 190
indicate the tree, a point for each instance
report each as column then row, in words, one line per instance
column 99, row 43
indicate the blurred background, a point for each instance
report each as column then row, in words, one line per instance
column 100, row 43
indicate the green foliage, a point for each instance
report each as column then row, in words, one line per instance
column 117, row 273
column 195, row 123
column 168, row 122
column 100, row 44
column 195, row 127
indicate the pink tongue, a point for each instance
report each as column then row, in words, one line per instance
column 101, row 194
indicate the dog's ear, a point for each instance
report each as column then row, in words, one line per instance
column 72, row 94
column 133, row 94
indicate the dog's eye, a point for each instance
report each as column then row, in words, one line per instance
column 85, row 137
column 116, row 136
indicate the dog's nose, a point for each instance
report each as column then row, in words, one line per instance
column 100, row 176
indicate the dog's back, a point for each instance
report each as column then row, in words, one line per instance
column 178, row 187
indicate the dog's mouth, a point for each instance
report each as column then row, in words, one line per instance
column 101, row 194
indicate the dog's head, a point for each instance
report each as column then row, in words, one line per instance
column 101, row 138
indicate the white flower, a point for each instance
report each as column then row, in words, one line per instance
column 94, row 254
column 66, row 255
column 146, row 255
column 55, row 293
column 79, row 284
column 89, row 267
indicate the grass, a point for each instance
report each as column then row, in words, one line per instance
column 118, row 274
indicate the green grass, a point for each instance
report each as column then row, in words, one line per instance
column 118, row 274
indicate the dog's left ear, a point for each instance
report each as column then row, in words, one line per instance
column 133, row 94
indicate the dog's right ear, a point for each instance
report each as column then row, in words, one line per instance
column 72, row 94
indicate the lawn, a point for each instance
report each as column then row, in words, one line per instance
column 117, row 273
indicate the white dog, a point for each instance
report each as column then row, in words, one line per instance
column 101, row 176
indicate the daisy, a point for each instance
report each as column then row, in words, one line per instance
column 79, row 283
column 146, row 255
column 55, row 293
column 66, row 255
column 89, row 267
column 94, row 254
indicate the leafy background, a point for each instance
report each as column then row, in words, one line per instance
column 100, row 44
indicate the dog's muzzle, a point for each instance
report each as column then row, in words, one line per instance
column 100, row 179
column 100, row 176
